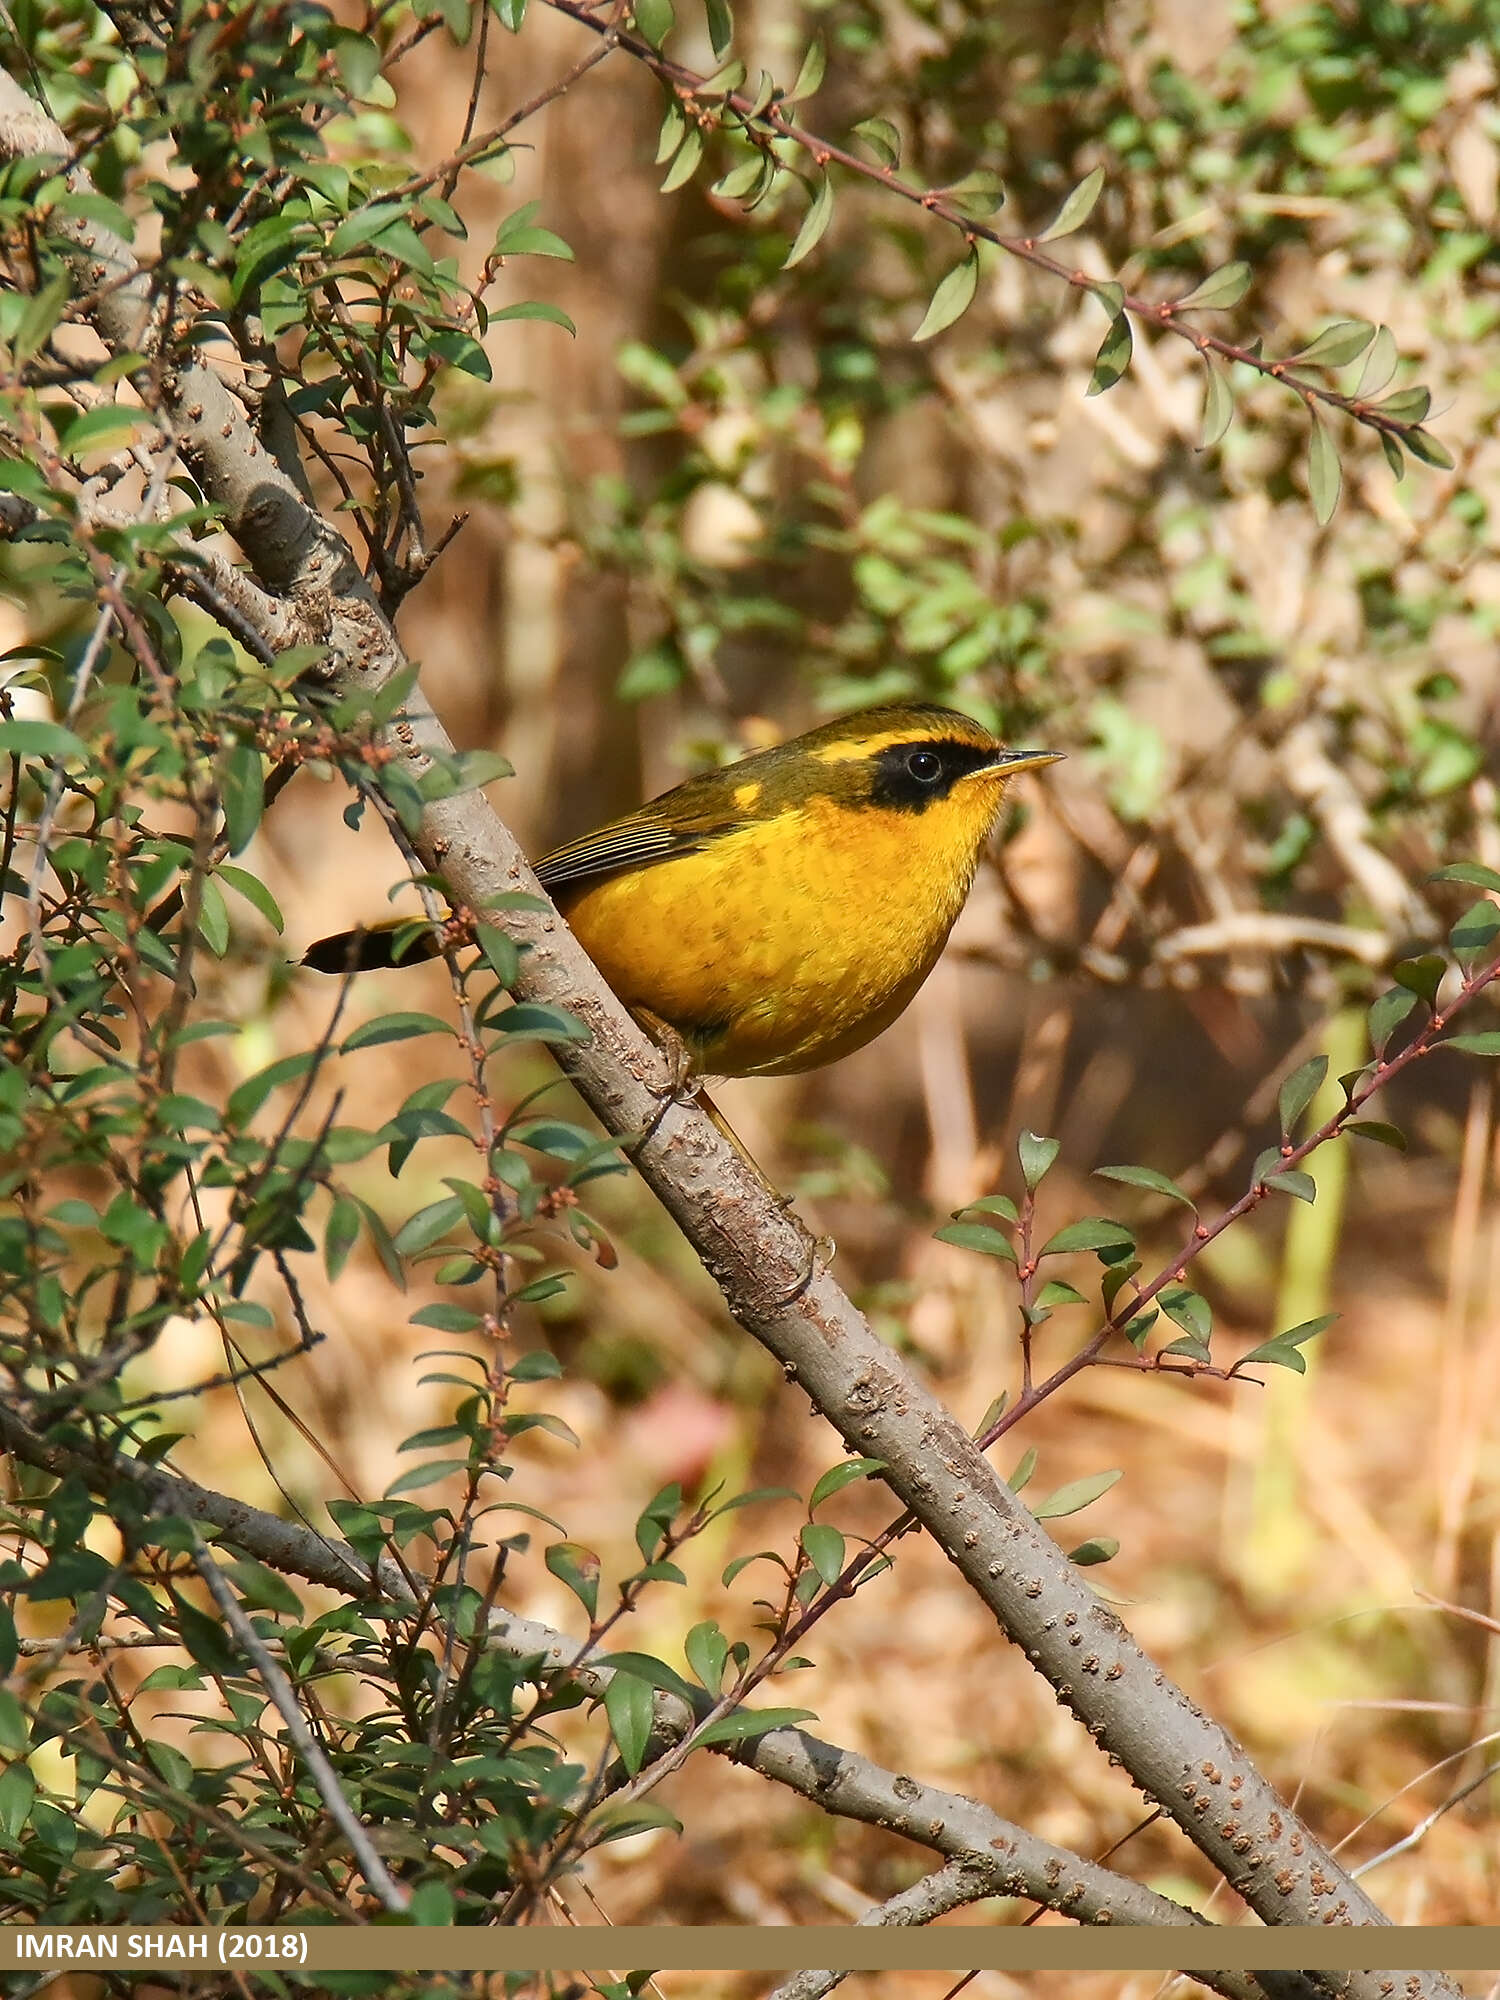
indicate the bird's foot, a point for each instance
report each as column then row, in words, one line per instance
column 682, row 1086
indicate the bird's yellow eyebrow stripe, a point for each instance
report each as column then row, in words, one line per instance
column 856, row 750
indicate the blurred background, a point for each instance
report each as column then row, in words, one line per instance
column 739, row 500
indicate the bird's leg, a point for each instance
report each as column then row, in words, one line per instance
column 681, row 1086
column 684, row 1087
column 820, row 1249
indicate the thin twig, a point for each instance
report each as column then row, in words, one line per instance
column 390, row 1892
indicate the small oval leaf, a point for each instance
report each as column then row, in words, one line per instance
column 1325, row 477
column 1077, row 209
column 814, row 223
column 1224, row 287
column 952, row 298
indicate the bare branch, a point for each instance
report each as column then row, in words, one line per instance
column 282, row 1693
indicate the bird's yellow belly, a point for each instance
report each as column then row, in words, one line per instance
column 781, row 945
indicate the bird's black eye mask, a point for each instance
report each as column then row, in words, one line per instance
column 910, row 776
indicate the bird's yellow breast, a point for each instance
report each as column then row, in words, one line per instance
column 789, row 941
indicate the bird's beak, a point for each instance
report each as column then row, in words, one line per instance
column 1011, row 761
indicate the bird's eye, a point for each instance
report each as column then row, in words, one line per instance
column 926, row 766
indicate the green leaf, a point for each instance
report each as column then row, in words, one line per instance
column 340, row 1234
column 1075, row 1496
column 578, row 1569
column 976, row 196
column 1325, row 477
column 1472, row 872
column 1380, row 364
column 425, row 1475
column 39, row 317
column 1284, row 1357
column 654, row 20
column 1337, row 345
column 673, row 131
column 1292, row 1181
column 428, row 1225
column 1422, row 976
column 655, row 1673
column 358, row 59
column 825, row 1550
column 1036, row 1155
column 1224, row 287
column 685, row 165
column 882, row 138
column 541, row 1023
column 977, row 1236
column 1486, row 1044
column 814, row 223
column 1423, row 445
column 17, row 1795
column 1056, row 1293
column 254, row 892
column 1407, row 405
column 1026, row 1465
column 747, row 1722
column 1298, row 1091
column 1094, row 1232
column 952, row 298
column 519, row 236
column 723, row 81
column 707, row 1653
column 392, row 1028
column 1307, row 1329
column 247, row 1099
column 720, row 25
column 535, row 309
column 27, row 737
column 1113, row 358
column 630, row 1709
column 263, row 1589
column 1190, row 1345
column 1077, row 209
column 511, row 13
column 431, row 1904
column 1187, row 1309
column 1381, row 1134
column 1283, row 1349
column 754, row 1499
column 837, row 1477
column 1475, row 931
column 618, row 1822
column 736, row 183
column 1218, row 406
column 1149, row 1178
column 213, row 918
column 1097, row 1549
column 991, row 1204
column 810, row 76
column 108, row 428
column 1386, row 1015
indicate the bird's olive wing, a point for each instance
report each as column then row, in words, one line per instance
column 637, row 841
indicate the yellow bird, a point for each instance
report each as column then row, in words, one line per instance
column 779, row 913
